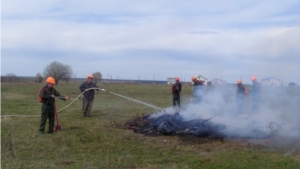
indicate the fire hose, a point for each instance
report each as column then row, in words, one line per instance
column 76, row 99
column 113, row 94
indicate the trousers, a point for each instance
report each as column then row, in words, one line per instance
column 87, row 107
column 47, row 113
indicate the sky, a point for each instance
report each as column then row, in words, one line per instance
column 153, row 40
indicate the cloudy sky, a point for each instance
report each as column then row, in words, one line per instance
column 157, row 39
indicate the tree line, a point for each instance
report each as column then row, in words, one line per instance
column 59, row 71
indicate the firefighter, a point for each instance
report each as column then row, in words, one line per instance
column 197, row 90
column 255, row 94
column 176, row 89
column 88, row 95
column 48, row 93
column 240, row 91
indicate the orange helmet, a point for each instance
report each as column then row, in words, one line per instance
column 193, row 78
column 50, row 80
column 253, row 78
column 177, row 78
column 90, row 76
column 239, row 81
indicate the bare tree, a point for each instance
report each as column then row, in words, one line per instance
column 58, row 71
column 39, row 78
column 10, row 77
column 97, row 77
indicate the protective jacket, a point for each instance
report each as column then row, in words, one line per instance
column 240, row 91
column 176, row 88
column 198, row 86
column 255, row 88
column 46, row 95
column 90, row 93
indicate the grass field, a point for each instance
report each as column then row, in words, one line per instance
column 96, row 142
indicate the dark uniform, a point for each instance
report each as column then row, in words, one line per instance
column 198, row 91
column 48, row 108
column 88, row 97
column 176, row 89
column 255, row 95
column 240, row 91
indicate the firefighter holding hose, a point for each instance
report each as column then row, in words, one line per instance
column 47, row 98
column 88, row 95
column 176, row 89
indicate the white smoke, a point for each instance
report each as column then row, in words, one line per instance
column 278, row 115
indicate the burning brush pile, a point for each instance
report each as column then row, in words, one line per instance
column 167, row 124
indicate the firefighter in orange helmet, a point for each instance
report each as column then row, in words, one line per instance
column 47, row 95
column 88, row 95
column 197, row 90
column 176, row 89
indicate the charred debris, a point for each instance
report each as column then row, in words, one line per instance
column 167, row 124
column 175, row 124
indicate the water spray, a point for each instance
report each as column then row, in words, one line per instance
column 149, row 105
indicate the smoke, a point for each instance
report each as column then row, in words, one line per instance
column 278, row 114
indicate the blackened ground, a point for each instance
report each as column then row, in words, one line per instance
column 187, row 135
column 174, row 125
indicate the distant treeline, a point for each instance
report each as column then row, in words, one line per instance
column 27, row 79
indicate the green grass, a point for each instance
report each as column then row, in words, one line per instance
column 98, row 143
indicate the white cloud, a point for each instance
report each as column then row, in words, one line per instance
column 216, row 39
